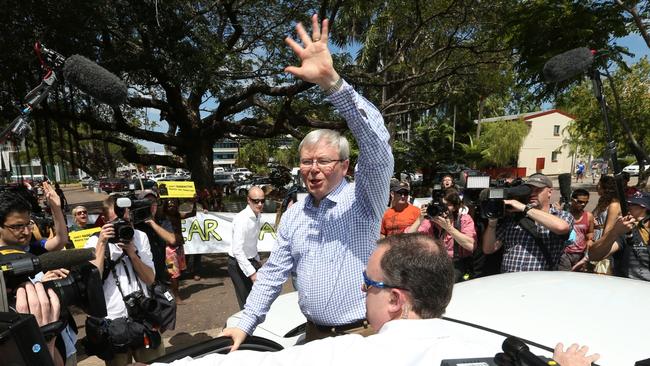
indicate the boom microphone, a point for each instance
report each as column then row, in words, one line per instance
column 14, row 263
column 568, row 64
column 94, row 80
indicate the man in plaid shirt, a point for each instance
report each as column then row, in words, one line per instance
column 522, row 250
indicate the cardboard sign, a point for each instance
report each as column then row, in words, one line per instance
column 79, row 238
column 176, row 189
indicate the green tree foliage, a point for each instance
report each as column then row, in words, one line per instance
column 501, row 142
column 588, row 131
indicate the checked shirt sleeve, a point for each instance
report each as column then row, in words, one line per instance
column 375, row 163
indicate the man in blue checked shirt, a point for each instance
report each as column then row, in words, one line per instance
column 327, row 238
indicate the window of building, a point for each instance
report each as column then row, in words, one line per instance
column 556, row 130
column 216, row 156
column 554, row 155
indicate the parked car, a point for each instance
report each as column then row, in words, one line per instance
column 633, row 170
column 86, row 181
column 146, row 183
column 542, row 308
column 224, row 179
column 242, row 188
column 114, row 185
column 244, row 171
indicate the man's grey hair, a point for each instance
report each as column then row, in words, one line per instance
column 331, row 137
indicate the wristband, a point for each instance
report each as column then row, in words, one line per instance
column 528, row 208
column 334, row 88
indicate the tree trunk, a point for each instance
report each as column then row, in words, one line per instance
column 200, row 164
column 481, row 105
column 110, row 165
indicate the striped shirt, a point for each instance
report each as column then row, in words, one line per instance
column 328, row 245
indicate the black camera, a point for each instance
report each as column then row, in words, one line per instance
column 436, row 207
column 138, row 306
column 123, row 232
column 493, row 205
column 82, row 287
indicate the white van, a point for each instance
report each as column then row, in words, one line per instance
column 218, row 169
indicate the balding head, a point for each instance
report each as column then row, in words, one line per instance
column 256, row 199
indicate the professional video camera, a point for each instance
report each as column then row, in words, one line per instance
column 82, row 287
column 22, row 342
column 436, row 207
column 492, row 203
column 139, row 211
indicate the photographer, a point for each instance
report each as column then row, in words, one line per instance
column 130, row 269
column 534, row 234
column 454, row 229
column 158, row 233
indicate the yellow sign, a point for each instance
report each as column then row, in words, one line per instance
column 79, row 238
column 176, row 189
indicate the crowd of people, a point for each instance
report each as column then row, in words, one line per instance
column 377, row 276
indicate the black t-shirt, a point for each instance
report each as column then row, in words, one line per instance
column 157, row 251
column 632, row 260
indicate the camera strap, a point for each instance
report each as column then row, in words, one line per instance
column 128, row 276
column 530, row 226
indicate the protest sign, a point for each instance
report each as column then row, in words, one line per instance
column 176, row 189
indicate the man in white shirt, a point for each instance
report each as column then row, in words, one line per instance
column 132, row 270
column 408, row 285
column 243, row 260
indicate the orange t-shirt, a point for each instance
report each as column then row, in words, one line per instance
column 395, row 222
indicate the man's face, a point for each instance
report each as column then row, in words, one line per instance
column 17, row 229
column 377, row 299
column 321, row 180
column 638, row 212
column 256, row 200
column 447, row 182
column 400, row 198
column 578, row 203
column 540, row 196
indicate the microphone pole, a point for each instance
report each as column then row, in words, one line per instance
column 595, row 76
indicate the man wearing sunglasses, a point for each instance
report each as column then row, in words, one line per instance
column 326, row 238
column 573, row 258
column 401, row 215
column 243, row 259
column 408, row 284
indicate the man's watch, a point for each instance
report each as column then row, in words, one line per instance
column 528, row 208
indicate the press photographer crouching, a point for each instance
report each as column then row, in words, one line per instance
column 123, row 256
column 443, row 220
column 533, row 234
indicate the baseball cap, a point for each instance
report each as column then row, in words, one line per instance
column 640, row 198
column 539, row 180
column 396, row 185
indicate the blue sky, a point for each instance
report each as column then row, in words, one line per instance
column 633, row 42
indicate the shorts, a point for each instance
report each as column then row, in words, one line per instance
column 175, row 261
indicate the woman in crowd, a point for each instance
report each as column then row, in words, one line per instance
column 607, row 210
column 455, row 229
column 170, row 219
column 79, row 219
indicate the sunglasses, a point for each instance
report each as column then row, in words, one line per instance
column 257, row 201
column 368, row 283
column 580, row 202
column 82, row 213
column 402, row 193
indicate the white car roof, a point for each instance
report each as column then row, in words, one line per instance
column 609, row 314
